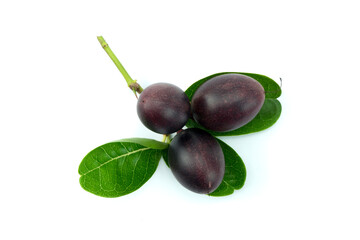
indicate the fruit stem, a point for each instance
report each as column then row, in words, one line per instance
column 166, row 138
column 132, row 84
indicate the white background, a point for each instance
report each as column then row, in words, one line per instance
column 61, row 96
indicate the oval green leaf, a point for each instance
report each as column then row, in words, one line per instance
column 119, row 168
column 268, row 115
column 235, row 172
column 272, row 89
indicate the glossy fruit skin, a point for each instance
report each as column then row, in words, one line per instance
column 163, row 108
column 196, row 160
column 227, row 102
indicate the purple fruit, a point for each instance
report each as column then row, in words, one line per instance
column 227, row 102
column 163, row 108
column 197, row 160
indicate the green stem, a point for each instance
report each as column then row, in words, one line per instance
column 166, row 139
column 133, row 85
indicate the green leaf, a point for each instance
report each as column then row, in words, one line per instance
column 235, row 172
column 165, row 156
column 272, row 89
column 268, row 115
column 119, row 168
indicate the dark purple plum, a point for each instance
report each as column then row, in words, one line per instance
column 196, row 160
column 163, row 108
column 227, row 102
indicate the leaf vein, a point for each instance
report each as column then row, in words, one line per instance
column 133, row 173
column 146, row 173
column 105, row 152
column 116, row 158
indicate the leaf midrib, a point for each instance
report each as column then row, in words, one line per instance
column 116, row 158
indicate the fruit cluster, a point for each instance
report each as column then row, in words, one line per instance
column 223, row 103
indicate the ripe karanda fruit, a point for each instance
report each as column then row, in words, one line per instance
column 163, row 108
column 227, row 102
column 196, row 160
